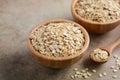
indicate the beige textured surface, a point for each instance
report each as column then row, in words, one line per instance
column 17, row 17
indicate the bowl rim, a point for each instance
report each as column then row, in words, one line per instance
column 89, row 21
column 34, row 52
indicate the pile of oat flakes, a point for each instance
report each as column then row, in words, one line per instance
column 99, row 10
column 58, row 39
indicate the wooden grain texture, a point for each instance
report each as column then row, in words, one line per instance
column 110, row 47
column 91, row 26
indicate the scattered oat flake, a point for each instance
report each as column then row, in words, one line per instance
column 94, row 70
column 77, row 72
column 114, row 76
column 83, row 71
column 89, row 74
column 72, row 77
column 100, row 75
column 86, row 77
column 76, row 75
column 112, row 67
column 115, row 56
column 115, row 70
column 104, row 73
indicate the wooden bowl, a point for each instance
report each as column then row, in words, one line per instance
column 58, row 62
column 91, row 26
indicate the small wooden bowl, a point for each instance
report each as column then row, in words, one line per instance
column 59, row 62
column 91, row 26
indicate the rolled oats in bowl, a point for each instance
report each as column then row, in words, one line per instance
column 58, row 39
column 98, row 10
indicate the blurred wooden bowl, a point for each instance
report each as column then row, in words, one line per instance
column 91, row 26
column 59, row 62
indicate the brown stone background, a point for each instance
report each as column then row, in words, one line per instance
column 17, row 17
